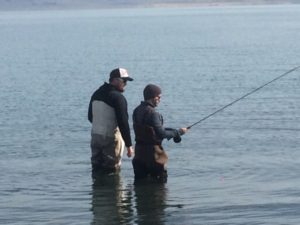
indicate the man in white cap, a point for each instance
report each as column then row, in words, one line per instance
column 110, row 129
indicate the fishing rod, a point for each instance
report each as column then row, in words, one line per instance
column 244, row 96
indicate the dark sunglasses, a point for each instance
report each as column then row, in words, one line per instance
column 123, row 81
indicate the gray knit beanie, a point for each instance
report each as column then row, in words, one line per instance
column 151, row 91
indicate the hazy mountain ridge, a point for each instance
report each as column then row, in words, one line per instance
column 77, row 4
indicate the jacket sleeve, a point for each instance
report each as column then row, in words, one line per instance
column 120, row 106
column 161, row 132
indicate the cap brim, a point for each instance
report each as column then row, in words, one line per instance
column 127, row 78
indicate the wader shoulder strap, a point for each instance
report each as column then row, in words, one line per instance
column 145, row 134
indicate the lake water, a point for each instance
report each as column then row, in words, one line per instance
column 240, row 166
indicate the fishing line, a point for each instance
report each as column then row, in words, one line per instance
column 244, row 96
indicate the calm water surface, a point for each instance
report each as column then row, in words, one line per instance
column 239, row 167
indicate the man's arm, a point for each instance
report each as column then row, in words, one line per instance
column 120, row 105
column 161, row 132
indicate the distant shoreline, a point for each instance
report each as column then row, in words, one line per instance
column 219, row 4
column 87, row 6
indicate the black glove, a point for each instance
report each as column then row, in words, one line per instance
column 177, row 138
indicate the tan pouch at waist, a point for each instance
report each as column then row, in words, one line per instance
column 160, row 155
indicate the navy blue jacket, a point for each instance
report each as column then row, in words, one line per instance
column 145, row 115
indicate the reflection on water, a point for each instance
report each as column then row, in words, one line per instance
column 113, row 202
column 150, row 203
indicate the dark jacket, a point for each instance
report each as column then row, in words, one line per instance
column 145, row 120
column 113, row 98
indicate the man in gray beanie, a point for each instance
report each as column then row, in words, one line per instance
column 150, row 157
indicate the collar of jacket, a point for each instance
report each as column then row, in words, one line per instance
column 147, row 104
column 110, row 86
